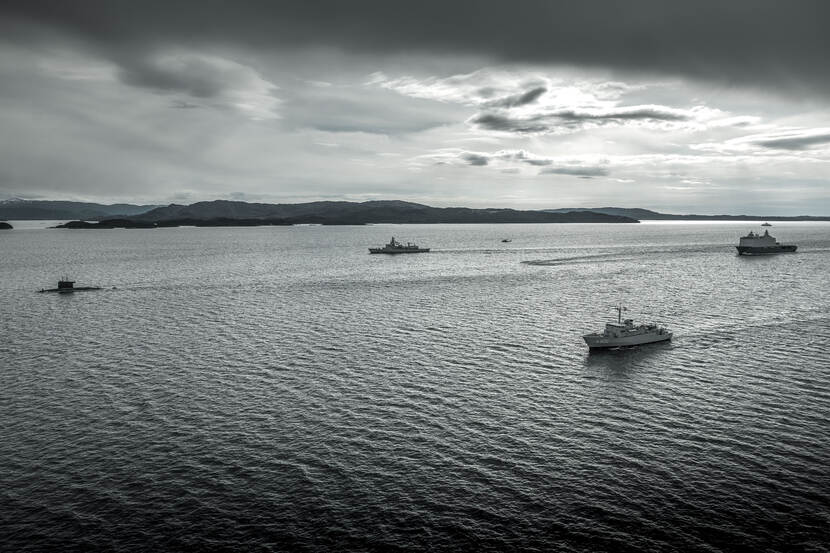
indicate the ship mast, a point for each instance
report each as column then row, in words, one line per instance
column 620, row 309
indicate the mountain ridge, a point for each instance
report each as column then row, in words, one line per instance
column 357, row 213
column 20, row 209
column 647, row 214
column 340, row 212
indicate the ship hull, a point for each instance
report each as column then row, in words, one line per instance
column 69, row 290
column 393, row 252
column 754, row 250
column 597, row 341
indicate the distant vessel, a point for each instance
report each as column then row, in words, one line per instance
column 66, row 286
column 396, row 247
column 760, row 244
column 506, row 240
column 766, row 225
column 625, row 333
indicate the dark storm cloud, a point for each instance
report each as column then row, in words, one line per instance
column 765, row 42
column 582, row 172
column 795, row 142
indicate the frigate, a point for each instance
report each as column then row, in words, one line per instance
column 396, row 247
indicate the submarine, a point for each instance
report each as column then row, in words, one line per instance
column 66, row 286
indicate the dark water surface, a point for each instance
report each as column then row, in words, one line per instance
column 279, row 389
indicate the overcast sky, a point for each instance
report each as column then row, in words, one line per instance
column 704, row 106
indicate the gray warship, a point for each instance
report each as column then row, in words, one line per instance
column 762, row 244
column 396, row 247
column 626, row 333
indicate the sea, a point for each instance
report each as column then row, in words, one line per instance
column 278, row 389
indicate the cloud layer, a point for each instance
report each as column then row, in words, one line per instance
column 537, row 104
column 510, row 161
column 209, row 79
column 759, row 42
column 432, row 102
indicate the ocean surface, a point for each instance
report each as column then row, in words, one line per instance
column 280, row 389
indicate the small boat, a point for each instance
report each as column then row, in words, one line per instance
column 66, row 286
column 766, row 225
column 506, row 240
column 396, row 247
column 626, row 333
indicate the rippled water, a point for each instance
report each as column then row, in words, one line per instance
column 279, row 389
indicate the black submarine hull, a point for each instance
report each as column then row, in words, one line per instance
column 69, row 290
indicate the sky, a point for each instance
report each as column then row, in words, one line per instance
column 696, row 107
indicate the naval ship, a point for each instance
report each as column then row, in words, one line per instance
column 396, row 247
column 66, row 286
column 626, row 333
column 759, row 244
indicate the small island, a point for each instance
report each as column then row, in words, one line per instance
column 106, row 224
column 134, row 224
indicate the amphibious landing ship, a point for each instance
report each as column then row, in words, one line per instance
column 762, row 244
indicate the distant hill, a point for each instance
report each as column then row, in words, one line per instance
column 341, row 212
column 354, row 213
column 48, row 209
column 648, row 215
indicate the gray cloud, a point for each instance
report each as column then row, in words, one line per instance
column 475, row 159
column 194, row 77
column 644, row 113
column 498, row 122
column 480, row 159
column 795, row 142
column 751, row 42
column 349, row 110
column 524, row 157
column 517, row 100
column 220, row 82
column 581, row 172
column 181, row 104
column 573, row 119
